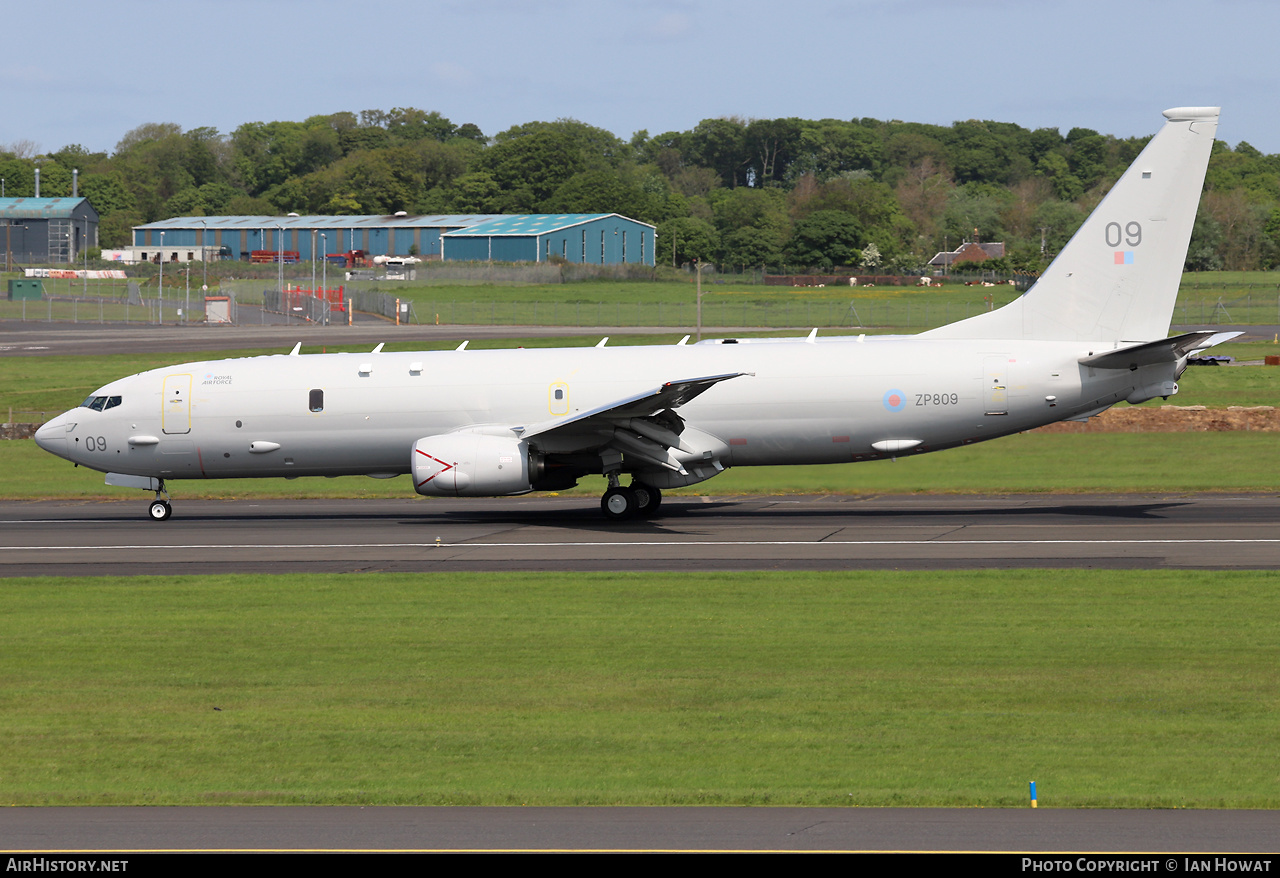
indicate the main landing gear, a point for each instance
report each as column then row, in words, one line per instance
column 160, row 510
column 636, row 501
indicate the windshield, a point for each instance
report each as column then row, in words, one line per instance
column 101, row 403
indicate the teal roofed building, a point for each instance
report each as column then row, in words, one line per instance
column 46, row 231
column 601, row 238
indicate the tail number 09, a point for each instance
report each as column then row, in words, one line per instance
column 1131, row 234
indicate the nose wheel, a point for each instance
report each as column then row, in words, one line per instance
column 160, row 510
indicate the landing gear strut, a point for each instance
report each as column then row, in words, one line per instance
column 160, row 510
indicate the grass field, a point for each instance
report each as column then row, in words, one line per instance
column 1109, row 689
column 1204, row 298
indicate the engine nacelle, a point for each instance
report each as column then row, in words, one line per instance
column 470, row 465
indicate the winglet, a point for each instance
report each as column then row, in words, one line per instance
column 296, row 349
column 462, row 347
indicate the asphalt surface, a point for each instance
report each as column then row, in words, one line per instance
column 703, row 533
column 639, row 829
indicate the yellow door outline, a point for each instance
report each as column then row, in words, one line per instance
column 175, row 412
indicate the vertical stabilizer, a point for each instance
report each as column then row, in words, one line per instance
column 1117, row 278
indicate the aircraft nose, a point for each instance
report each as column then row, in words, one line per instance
column 52, row 435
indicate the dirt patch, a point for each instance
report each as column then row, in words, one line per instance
column 1174, row 419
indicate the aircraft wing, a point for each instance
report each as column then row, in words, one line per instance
column 644, row 427
column 1165, row 350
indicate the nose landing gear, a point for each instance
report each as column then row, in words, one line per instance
column 160, row 510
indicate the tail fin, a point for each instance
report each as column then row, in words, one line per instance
column 1117, row 278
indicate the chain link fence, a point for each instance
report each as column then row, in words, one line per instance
column 119, row 301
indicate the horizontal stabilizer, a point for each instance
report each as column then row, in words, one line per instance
column 1166, row 350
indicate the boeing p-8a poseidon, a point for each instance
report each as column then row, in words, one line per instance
column 1090, row 333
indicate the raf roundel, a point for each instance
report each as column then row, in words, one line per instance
column 895, row 400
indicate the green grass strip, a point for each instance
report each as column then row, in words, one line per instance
column 1109, row 689
column 1024, row 463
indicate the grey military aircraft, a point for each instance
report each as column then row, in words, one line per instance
column 1089, row 334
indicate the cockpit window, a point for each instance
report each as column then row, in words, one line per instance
column 101, row 403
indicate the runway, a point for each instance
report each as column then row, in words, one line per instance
column 639, row 829
column 694, row 533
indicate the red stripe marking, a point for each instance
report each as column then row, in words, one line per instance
column 447, row 467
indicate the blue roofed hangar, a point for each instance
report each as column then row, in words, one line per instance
column 601, row 238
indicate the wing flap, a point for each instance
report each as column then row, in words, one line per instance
column 671, row 395
column 643, row 428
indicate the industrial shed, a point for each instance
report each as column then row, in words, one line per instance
column 241, row 235
column 599, row 238
column 603, row 238
column 47, row 230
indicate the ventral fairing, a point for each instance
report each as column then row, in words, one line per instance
column 1091, row 333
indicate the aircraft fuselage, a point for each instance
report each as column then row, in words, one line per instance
column 798, row 403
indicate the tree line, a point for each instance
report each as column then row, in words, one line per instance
column 877, row 195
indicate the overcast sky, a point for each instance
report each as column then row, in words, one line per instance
column 80, row 72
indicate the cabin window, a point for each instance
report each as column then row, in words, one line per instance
column 317, row 401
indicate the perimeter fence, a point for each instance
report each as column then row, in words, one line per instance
column 116, row 301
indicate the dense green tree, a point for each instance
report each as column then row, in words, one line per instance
column 826, row 238
column 740, row 189
column 763, row 209
column 530, row 162
column 771, row 147
column 721, row 145
column 975, row 209
column 107, row 193
column 831, row 148
column 1206, row 239
column 475, row 192
column 685, row 239
column 1056, row 222
column 750, row 248
column 603, row 191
